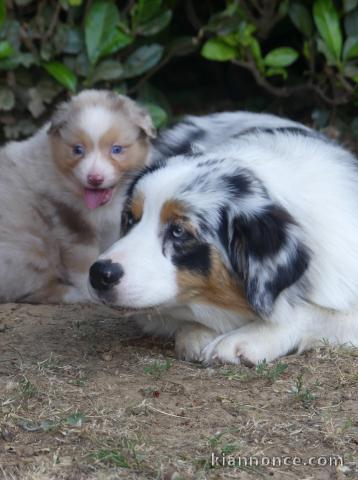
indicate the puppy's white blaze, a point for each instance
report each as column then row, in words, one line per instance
column 96, row 121
column 149, row 277
column 95, row 162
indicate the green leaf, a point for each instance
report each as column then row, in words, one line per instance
column 277, row 71
column 327, row 21
column 2, row 11
column 108, row 70
column 301, row 18
column 181, row 46
column 215, row 49
column 350, row 49
column 351, row 23
column 257, row 54
column 349, row 5
column 5, row 49
column 62, row 74
column 114, row 42
column 226, row 21
column 101, row 34
column 143, row 59
column 158, row 114
column 322, row 47
column 75, row 3
column 145, row 10
column 7, row 99
column 155, row 25
column 281, row 57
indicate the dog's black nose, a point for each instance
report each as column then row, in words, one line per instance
column 104, row 274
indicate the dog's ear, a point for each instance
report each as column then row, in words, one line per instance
column 137, row 114
column 267, row 252
column 59, row 118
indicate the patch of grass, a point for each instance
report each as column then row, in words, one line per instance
column 263, row 369
column 271, row 373
column 235, row 373
column 156, row 369
column 76, row 419
column 111, row 457
column 300, row 392
column 27, row 388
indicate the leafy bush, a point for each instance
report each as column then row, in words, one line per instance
column 50, row 48
column 328, row 53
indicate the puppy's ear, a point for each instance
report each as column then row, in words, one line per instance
column 59, row 118
column 144, row 122
column 268, row 254
column 137, row 114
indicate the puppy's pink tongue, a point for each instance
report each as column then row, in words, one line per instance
column 96, row 198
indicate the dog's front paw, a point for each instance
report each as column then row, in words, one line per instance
column 247, row 345
column 190, row 341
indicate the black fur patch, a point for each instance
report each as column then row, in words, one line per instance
column 254, row 251
column 295, row 130
column 266, row 233
column 169, row 146
column 223, row 228
column 272, row 130
column 289, row 273
column 239, row 184
column 194, row 257
column 210, row 163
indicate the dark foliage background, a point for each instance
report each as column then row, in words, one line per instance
column 294, row 57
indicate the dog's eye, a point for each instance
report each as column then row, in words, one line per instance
column 116, row 149
column 128, row 221
column 177, row 231
column 78, row 150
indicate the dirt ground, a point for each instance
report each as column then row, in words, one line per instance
column 84, row 396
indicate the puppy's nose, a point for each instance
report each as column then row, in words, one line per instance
column 104, row 275
column 95, row 180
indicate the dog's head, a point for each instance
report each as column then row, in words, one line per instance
column 201, row 230
column 97, row 137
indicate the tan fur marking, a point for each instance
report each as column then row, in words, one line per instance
column 137, row 205
column 62, row 145
column 128, row 136
column 218, row 289
column 172, row 210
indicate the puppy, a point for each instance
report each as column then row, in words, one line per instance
column 249, row 249
column 61, row 194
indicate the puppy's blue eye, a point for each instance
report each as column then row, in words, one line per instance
column 117, row 149
column 79, row 150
